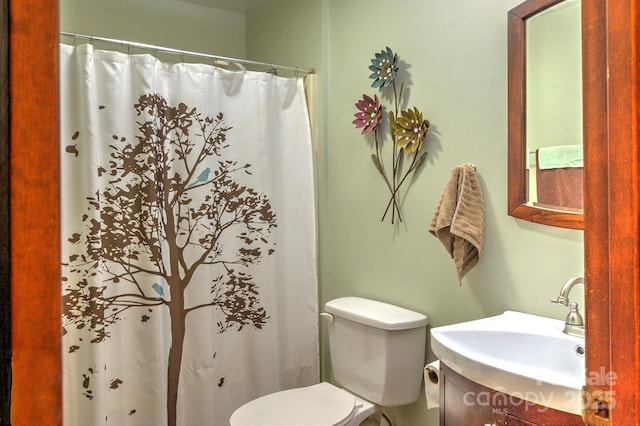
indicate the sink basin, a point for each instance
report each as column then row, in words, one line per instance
column 523, row 355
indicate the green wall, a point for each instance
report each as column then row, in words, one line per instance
column 455, row 56
column 457, row 67
column 286, row 32
column 169, row 23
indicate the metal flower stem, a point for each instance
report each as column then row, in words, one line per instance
column 380, row 168
column 396, row 158
column 397, row 188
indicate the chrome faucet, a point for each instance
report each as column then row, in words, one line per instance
column 574, row 324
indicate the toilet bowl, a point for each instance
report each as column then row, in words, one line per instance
column 377, row 356
column 322, row 404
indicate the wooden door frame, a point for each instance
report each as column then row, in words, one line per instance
column 5, row 285
column 36, row 392
column 611, row 246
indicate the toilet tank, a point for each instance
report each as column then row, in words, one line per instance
column 377, row 349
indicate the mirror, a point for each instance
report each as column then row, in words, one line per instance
column 545, row 171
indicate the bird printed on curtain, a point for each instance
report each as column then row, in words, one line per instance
column 202, row 177
column 145, row 183
column 186, row 249
column 158, row 289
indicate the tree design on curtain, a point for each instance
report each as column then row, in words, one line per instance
column 158, row 219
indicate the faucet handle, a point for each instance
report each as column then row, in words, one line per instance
column 561, row 300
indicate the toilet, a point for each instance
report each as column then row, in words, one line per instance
column 377, row 356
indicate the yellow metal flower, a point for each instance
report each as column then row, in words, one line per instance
column 410, row 129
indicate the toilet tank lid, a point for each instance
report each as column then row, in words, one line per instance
column 376, row 314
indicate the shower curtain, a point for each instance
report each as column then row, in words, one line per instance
column 188, row 239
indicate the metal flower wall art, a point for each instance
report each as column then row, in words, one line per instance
column 407, row 128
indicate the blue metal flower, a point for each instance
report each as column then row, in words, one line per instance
column 385, row 69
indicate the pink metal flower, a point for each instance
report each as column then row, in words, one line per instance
column 369, row 115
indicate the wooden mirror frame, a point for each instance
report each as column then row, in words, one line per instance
column 517, row 151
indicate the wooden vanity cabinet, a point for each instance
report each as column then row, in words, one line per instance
column 466, row 403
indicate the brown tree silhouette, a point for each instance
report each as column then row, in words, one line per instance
column 166, row 201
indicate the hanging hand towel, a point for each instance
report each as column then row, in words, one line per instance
column 458, row 221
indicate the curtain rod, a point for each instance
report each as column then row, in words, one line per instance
column 271, row 67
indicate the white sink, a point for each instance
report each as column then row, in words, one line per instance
column 523, row 355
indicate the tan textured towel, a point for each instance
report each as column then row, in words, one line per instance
column 458, row 221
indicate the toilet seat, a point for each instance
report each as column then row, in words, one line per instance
column 317, row 405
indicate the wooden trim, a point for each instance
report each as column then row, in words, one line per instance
column 5, row 284
column 612, row 252
column 530, row 7
column 36, row 397
column 624, row 199
column 596, row 187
